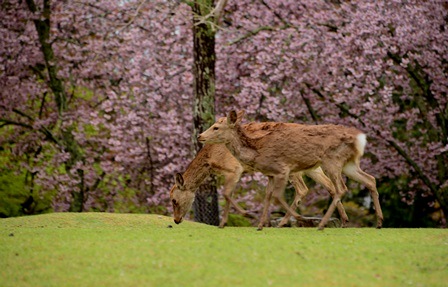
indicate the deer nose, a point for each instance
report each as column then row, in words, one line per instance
column 200, row 138
column 177, row 221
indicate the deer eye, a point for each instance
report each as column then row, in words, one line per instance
column 215, row 128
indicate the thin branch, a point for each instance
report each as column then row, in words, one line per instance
column 133, row 17
column 43, row 130
column 310, row 108
column 151, row 163
column 340, row 106
column 412, row 163
column 275, row 13
column 23, row 114
column 219, row 11
column 253, row 33
column 9, row 122
column 42, row 104
column 215, row 16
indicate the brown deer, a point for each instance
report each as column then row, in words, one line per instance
column 288, row 148
column 217, row 159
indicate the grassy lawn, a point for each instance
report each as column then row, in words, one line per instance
column 100, row 249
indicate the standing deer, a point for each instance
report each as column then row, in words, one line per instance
column 288, row 148
column 217, row 159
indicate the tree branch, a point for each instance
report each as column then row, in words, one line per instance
column 412, row 163
column 214, row 15
column 275, row 13
column 253, row 33
column 43, row 130
column 341, row 107
column 310, row 108
column 43, row 32
column 133, row 17
column 219, row 11
column 9, row 122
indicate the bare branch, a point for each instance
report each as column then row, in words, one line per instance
column 133, row 17
column 213, row 18
column 252, row 33
column 219, row 10
column 310, row 108
column 414, row 165
column 275, row 13
column 9, row 123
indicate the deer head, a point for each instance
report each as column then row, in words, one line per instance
column 181, row 197
column 221, row 131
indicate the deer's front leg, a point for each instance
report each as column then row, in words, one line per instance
column 318, row 176
column 301, row 190
column 231, row 181
column 338, row 182
column 279, row 190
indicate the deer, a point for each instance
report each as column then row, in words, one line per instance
column 289, row 148
column 217, row 159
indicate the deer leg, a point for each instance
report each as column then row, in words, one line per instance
column 353, row 171
column 231, row 181
column 301, row 190
column 279, row 190
column 336, row 178
column 319, row 176
column 267, row 202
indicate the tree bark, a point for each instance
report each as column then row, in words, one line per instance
column 66, row 139
column 205, row 206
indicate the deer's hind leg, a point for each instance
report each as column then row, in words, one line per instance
column 353, row 171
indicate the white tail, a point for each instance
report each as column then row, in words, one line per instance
column 288, row 148
column 361, row 142
column 216, row 159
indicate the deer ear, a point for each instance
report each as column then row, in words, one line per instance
column 179, row 180
column 232, row 118
column 240, row 116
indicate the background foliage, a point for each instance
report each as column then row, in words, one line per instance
column 96, row 99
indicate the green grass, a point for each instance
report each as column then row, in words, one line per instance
column 100, row 249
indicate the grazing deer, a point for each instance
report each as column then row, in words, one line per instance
column 217, row 159
column 288, row 148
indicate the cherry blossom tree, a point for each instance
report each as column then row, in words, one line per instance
column 90, row 105
column 380, row 66
column 96, row 107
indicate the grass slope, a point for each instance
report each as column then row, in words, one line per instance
column 100, row 249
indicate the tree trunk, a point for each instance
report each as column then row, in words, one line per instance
column 56, row 84
column 205, row 206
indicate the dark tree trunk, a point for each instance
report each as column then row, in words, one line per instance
column 205, row 206
column 56, row 84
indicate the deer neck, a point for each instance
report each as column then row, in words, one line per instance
column 198, row 170
column 242, row 147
